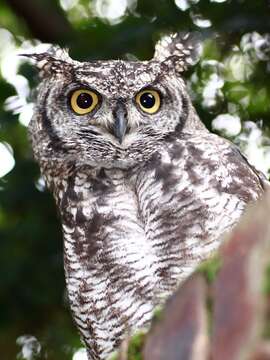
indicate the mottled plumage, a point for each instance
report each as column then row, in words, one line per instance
column 143, row 197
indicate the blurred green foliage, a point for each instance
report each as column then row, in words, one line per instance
column 32, row 295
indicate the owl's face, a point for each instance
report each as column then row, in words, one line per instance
column 110, row 113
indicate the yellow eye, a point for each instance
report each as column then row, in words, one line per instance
column 83, row 101
column 148, row 101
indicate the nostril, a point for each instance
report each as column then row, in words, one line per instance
column 127, row 129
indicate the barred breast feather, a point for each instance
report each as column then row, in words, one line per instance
column 132, row 235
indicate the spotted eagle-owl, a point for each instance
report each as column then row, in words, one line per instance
column 144, row 190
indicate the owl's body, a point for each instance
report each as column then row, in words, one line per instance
column 142, row 203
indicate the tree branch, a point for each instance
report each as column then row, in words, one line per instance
column 44, row 22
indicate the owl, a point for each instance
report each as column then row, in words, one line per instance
column 144, row 190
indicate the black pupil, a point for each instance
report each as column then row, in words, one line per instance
column 147, row 100
column 84, row 100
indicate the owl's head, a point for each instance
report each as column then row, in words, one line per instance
column 112, row 113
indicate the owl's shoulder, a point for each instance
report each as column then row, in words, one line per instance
column 208, row 160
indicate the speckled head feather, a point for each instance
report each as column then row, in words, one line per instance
column 144, row 190
column 180, row 50
column 52, row 61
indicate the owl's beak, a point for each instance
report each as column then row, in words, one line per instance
column 120, row 125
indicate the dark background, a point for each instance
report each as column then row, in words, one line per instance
column 32, row 294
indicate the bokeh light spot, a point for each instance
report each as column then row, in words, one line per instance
column 7, row 162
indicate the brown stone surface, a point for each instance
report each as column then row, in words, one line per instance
column 238, row 296
column 262, row 351
column 182, row 332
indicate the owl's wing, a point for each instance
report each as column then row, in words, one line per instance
column 265, row 184
column 218, row 162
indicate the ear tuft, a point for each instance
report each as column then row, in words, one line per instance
column 54, row 60
column 182, row 49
